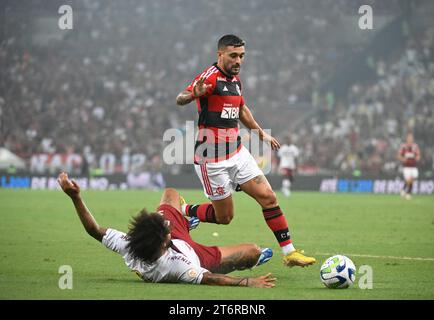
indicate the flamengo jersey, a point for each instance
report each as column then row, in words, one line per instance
column 219, row 110
column 287, row 155
column 410, row 152
column 173, row 266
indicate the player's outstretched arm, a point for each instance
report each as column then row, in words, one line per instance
column 247, row 119
column 184, row 97
column 266, row 281
column 71, row 188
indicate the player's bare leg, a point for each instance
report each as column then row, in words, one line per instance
column 259, row 189
column 172, row 198
column 242, row 256
column 224, row 210
column 409, row 189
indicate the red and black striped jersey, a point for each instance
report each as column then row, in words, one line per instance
column 410, row 152
column 218, row 110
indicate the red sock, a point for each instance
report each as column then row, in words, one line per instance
column 276, row 221
column 205, row 212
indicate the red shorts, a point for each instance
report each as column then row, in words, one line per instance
column 210, row 257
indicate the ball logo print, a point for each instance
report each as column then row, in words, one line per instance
column 338, row 272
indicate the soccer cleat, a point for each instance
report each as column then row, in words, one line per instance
column 286, row 192
column 403, row 193
column 193, row 223
column 182, row 200
column 183, row 205
column 408, row 196
column 297, row 258
column 266, row 255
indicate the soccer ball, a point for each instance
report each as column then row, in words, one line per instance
column 338, row 272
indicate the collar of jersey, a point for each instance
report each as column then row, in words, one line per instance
column 224, row 73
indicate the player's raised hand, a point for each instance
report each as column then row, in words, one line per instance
column 200, row 87
column 267, row 281
column 70, row 187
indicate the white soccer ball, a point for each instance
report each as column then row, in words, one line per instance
column 338, row 272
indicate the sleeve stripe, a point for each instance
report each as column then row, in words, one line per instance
column 209, row 72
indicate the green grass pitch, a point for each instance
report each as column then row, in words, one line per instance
column 39, row 232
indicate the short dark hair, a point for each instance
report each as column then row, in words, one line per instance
column 230, row 40
column 147, row 234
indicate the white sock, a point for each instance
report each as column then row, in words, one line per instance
column 183, row 208
column 288, row 249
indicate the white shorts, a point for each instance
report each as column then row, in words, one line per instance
column 219, row 179
column 410, row 173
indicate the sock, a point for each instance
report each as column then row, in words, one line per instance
column 409, row 187
column 277, row 223
column 205, row 212
column 405, row 187
column 287, row 249
column 285, row 186
column 184, row 209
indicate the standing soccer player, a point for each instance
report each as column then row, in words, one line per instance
column 288, row 155
column 409, row 155
column 221, row 161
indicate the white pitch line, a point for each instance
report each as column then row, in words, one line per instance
column 378, row 257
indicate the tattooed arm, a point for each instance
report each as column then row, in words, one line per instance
column 222, row 280
column 185, row 97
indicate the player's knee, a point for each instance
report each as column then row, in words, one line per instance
column 170, row 191
column 254, row 252
column 170, row 196
column 226, row 219
column 251, row 255
column 268, row 199
column 224, row 215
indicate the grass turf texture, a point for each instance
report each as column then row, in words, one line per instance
column 40, row 231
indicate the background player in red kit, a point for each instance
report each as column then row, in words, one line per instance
column 409, row 155
column 222, row 163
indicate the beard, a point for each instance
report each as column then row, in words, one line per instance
column 233, row 70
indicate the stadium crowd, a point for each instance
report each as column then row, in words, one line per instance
column 109, row 85
column 362, row 133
